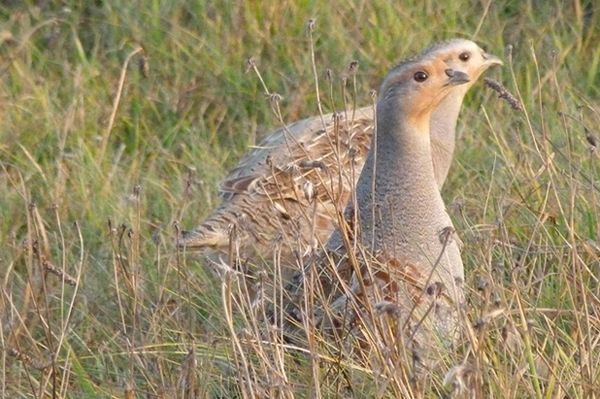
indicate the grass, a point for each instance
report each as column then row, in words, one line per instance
column 96, row 178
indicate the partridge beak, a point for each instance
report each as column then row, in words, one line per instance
column 491, row 60
column 456, row 77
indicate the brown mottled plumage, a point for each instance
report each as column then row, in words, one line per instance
column 286, row 193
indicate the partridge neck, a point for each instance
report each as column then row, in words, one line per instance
column 397, row 186
column 445, row 115
column 401, row 155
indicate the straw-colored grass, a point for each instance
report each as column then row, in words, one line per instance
column 117, row 120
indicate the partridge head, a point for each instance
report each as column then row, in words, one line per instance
column 415, row 87
column 465, row 56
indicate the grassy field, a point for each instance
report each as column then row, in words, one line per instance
column 118, row 118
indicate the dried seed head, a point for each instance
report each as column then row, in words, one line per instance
column 373, row 94
column 481, row 284
column 111, row 228
column 446, row 234
column 388, row 308
column 352, row 68
column 310, row 25
column 156, row 237
column 250, row 64
column 49, row 267
column 435, row 289
column 503, row 93
column 144, row 66
column 459, row 282
column 274, row 98
column 352, row 153
column 336, row 117
column 328, row 74
column 591, row 139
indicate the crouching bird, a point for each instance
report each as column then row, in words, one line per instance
column 391, row 281
column 283, row 199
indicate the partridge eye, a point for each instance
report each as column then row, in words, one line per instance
column 421, row 76
column 464, row 56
